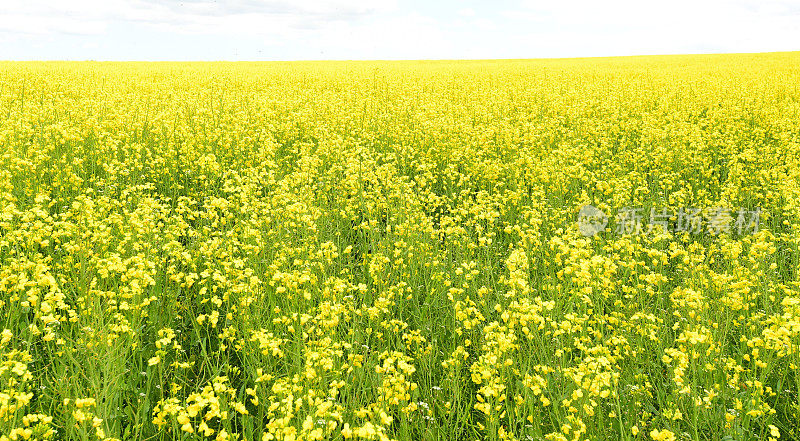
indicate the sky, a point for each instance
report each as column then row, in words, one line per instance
column 181, row 30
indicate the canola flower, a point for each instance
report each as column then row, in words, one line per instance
column 388, row 250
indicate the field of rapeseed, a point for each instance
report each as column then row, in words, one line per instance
column 391, row 250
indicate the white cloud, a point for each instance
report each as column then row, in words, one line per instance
column 629, row 26
column 387, row 29
column 92, row 16
column 333, row 9
column 395, row 37
column 466, row 12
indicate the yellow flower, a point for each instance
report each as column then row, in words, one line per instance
column 346, row 432
column 662, row 435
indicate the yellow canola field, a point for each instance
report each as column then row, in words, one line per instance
column 392, row 250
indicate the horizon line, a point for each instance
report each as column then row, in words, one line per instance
column 308, row 60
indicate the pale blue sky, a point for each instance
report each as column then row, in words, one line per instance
column 389, row 29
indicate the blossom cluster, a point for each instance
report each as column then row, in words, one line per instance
column 387, row 250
